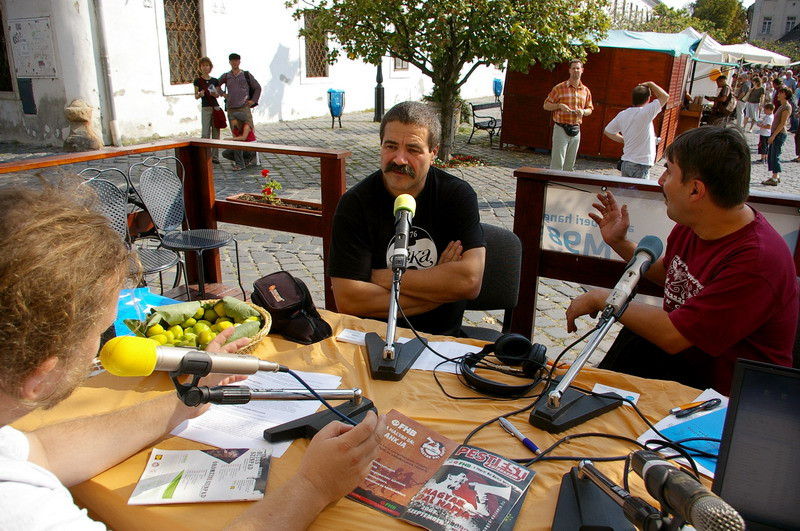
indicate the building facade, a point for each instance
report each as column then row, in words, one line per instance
column 134, row 62
column 772, row 19
column 632, row 11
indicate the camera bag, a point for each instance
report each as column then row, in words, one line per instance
column 289, row 302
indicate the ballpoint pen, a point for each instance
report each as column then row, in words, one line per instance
column 707, row 405
column 685, row 406
column 518, row 434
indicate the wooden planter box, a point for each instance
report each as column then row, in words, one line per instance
column 300, row 217
column 286, row 204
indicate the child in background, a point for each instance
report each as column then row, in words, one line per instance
column 764, row 130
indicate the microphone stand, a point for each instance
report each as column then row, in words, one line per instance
column 567, row 407
column 193, row 395
column 390, row 360
column 637, row 511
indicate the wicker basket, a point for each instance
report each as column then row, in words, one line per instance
column 261, row 334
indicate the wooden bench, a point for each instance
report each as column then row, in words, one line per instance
column 490, row 124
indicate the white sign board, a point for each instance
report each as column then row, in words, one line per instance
column 568, row 228
column 32, row 46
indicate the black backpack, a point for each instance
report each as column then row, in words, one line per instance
column 289, row 302
column 250, row 89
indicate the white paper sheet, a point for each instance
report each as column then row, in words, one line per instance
column 427, row 361
column 243, row 425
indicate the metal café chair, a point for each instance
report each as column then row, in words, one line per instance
column 161, row 190
column 114, row 205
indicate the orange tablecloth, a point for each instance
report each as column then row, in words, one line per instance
column 417, row 396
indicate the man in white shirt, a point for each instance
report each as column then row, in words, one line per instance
column 633, row 128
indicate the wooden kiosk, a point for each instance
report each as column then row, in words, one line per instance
column 625, row 60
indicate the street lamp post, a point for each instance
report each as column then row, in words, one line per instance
column 378, row 96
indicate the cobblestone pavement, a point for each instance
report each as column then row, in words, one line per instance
column 263, row 252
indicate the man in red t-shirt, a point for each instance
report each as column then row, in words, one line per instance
column 730, row 285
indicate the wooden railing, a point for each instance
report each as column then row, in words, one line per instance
column 538, row 262
column 204, row 210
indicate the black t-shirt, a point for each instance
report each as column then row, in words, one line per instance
column 363, row 231
column 206, row 100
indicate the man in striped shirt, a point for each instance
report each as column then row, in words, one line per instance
column 570, row 101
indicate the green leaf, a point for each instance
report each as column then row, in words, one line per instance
column 136, row 326
column 248, row 329
column 175, row 313
column 238, row 309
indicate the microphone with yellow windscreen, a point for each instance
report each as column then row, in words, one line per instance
column 140, row 356
column 405, row 206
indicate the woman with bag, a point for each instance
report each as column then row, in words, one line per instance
column 206, row 87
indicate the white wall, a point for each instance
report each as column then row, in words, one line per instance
column 73, row 61
column 147, row 105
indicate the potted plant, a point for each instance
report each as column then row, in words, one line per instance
column 269, row 196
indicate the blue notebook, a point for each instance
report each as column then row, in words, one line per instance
column 708, row 425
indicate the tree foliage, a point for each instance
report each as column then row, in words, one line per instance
column 666, row 19
column 790, row 49
column 447, row 40
column 728, row 17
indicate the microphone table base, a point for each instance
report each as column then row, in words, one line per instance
column 405, row 354
column 583, row 505
column 576, row 408
column 309, row 426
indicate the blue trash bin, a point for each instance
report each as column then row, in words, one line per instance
column 497, row 86
column 336, row 105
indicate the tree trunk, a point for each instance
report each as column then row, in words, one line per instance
column 449, row 119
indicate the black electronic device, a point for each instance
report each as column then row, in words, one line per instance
column 758, row 467
column 519, row 358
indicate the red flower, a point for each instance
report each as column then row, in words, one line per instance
column 264, row 172
column 268, row 190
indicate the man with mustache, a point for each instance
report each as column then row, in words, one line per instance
column 446, row 246
column 730, row 285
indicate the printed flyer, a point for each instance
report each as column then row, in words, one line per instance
column 424, row 478
column 186, row 476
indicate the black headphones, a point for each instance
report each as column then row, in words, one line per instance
column 512, row 350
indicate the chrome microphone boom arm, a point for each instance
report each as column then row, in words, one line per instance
column 607, row 319
column 239, row 394
column 391, row 321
